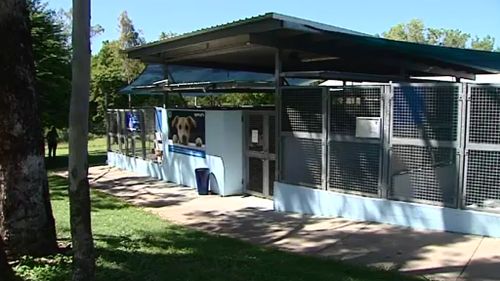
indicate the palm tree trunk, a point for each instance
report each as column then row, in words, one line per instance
column 79, row 197
column 26, row 221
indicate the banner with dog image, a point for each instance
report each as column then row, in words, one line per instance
column 186, row 134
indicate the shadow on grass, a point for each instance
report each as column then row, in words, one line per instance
column 135, row 245
column 99, row 201
column 144, row 191
column 61, row 162
column 171, row 252
column 373, row 244
column 176, row 253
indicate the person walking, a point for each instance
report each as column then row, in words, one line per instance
column 52, row 138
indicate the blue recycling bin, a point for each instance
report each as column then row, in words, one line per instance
column 202, row 179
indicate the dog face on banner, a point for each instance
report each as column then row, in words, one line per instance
column 183, row 125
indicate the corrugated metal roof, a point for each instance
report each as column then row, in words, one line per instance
column 247, row 20
column 204, row 30
column 356, row 52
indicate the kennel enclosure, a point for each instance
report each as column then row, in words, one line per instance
column 398, row 150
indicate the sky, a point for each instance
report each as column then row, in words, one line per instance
column 151, row 17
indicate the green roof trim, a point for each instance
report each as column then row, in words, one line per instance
column 357, row 52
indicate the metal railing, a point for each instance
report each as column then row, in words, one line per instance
column 131, row 132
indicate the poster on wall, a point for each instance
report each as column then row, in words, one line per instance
column 187, row 132
column 132, row 121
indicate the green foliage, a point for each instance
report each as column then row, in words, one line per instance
column 225, row 100
column 129, row 36
column 166, row 35
column 234, row 100
column 52, row 57
column 54, row 268
column 415, row 31
column 112, row 70
column 410, row 32
column 254, row 99
column 107, row 78
column 486, row 44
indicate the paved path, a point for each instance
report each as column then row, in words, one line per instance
column 437, row 255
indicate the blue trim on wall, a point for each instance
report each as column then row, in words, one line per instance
column 187, row 151
column 298, row 199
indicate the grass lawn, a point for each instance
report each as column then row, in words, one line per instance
column 132, row 244
column 97, row 154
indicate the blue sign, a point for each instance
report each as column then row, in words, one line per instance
column 132, row 121
column 187, row 151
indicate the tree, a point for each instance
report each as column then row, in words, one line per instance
column 79, row 192
column 26, row 222
column 5, row 268
column 52, row 56
column 107, row 78
column 129, row 38
column 239, row 99
column 454, row 38
column 415, row 31
column 66, row 17
column 410, row 32
column 486, row 44
column 166, row 35
column 112, row 70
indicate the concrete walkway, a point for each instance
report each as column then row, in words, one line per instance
column 437, row 255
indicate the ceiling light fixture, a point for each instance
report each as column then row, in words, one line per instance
column 319, row 59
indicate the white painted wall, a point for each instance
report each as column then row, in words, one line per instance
column 224, row 155
column 293, row 198
column 224, row 139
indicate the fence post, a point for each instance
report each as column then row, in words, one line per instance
column 143, row 133
column 278, row 81
column 125, row 133
column 385, row 180
column 108, row 138
column 119, row 129
column 325, row 173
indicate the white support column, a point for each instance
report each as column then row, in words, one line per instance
column 325, row 99
column 277, row 101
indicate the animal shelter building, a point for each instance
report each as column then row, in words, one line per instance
column 384, row 142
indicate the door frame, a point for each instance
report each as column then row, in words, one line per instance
column 264, row 155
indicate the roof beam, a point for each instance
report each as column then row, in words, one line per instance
column 202, row 36
column 332, row 48
column 240, row 40
column 439, row 71
column 349, row 76
column 227, row 66
column 230, row 49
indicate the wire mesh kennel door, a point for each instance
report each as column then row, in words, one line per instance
column 482, row 148
column 355, row 139
column 425, row 143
